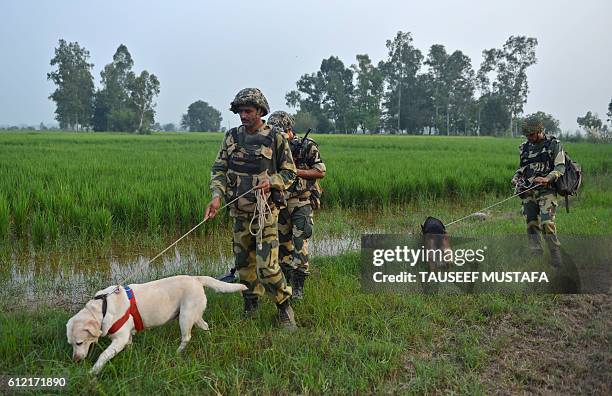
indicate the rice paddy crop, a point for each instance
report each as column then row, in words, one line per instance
column 59, row 186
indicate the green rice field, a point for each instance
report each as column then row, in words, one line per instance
column 57, row 187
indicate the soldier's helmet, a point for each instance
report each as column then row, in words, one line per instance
column 250, row 97
column 532, row 124
column 281, row 120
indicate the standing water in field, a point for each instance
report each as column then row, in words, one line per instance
column 69, row 278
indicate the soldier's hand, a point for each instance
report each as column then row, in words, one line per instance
column 212, row 208
column 540, row 180
column 265, row 186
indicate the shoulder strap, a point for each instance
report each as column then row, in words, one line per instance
column 234, row 133
column 273, row 133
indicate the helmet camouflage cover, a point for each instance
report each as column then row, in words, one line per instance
column 282, row 120
column 250, row 97
column 532, row 124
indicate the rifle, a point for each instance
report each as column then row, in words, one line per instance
column 297, row 153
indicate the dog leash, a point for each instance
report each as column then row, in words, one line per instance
column 491, row 206
column 118, row 287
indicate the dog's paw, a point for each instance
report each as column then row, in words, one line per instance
column 202, row 324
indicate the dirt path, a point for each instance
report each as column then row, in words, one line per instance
column 566, row 350
column 572, row 354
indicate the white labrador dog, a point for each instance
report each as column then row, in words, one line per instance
column 111, row 313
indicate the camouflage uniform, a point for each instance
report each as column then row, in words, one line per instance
column 244, row 161
column 295, row 221
column 542, row 159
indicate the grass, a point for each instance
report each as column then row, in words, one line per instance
column 74, row 188
column 348, row 342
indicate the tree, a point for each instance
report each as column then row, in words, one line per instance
column 592, row 125
column 610, row 112
column 170, row 127
column 75, row 88
column 400, row 73
column 551, row 124
column 112, row 110
column 126, row 101
column 308, row 98
column 494, row 114
column 201, row 117
column 452, row 81
column 510, row 65
column 304, row 121
column 326, row 95
column 337, row 81
column 143, row 90
column 368, row 94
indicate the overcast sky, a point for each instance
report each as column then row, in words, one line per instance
column 210, row 50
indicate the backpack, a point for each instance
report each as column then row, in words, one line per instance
column 569, row 183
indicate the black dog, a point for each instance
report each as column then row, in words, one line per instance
column 433, row 226
column 435, row 238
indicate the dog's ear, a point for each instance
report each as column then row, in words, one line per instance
column 93, row 328
column 423, row 228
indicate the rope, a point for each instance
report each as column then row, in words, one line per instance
column 184, row 235
column 261, row 210
column 491, row 206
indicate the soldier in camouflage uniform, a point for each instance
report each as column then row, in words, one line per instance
column 295, row 221
column 255, row 155
column 542, row 162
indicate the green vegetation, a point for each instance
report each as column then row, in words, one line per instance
column 91, row 187
column 348, row 342
column 59, row 187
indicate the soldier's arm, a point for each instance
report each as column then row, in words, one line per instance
column 315, row 164
column 218, row 181
column 286, row 172
column 558, row 162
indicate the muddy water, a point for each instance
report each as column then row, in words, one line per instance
column 69, row 279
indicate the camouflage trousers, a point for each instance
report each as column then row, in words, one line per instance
column 294, row 229
column 258, row 268
column 539, row 209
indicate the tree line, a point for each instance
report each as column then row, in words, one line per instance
column 409, row 92
column 125, row 101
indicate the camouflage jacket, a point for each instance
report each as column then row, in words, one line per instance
column 245, row 160
column 543, row 159
column 306, row 155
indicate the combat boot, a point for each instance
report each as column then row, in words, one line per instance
column 555, row 251
column 297, row 284
column 251, row 304
column 535, row 244
column 286, row 318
